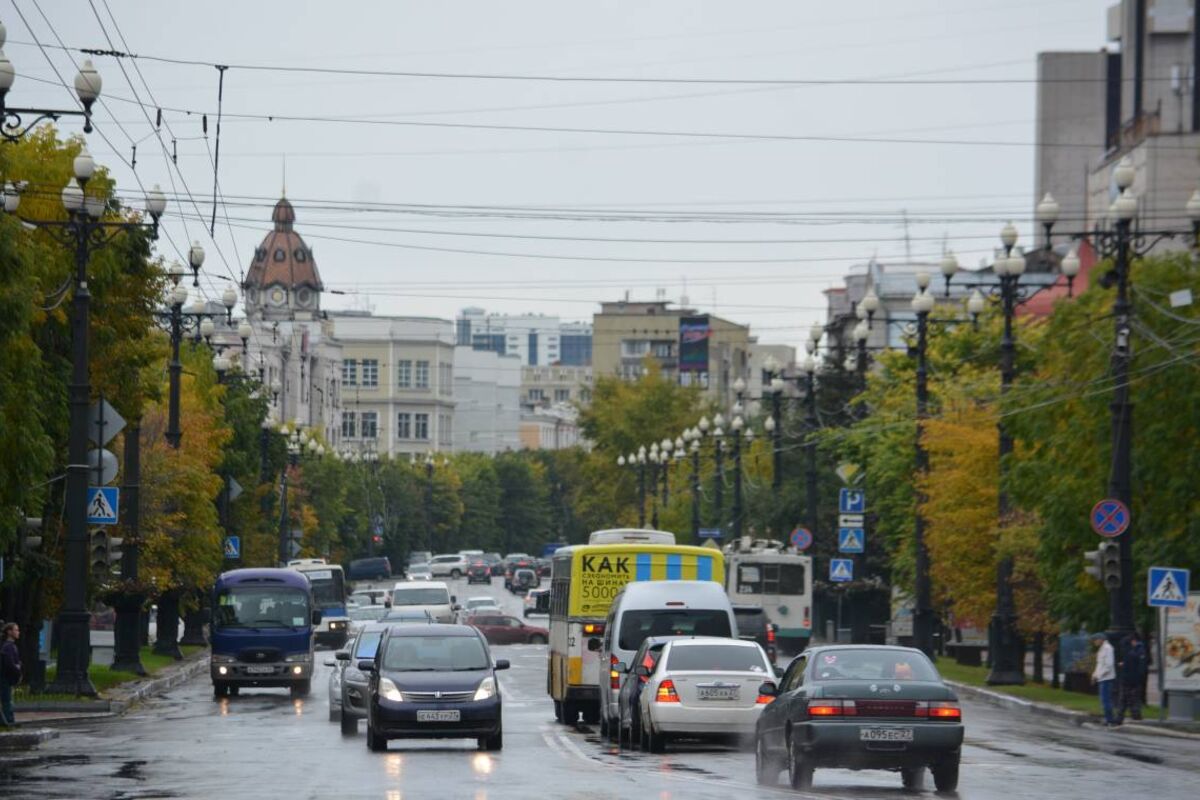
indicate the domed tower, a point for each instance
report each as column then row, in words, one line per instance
column 283, row 281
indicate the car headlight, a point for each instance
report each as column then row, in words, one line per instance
column 217, row 658
column 486, row 690
column 296, row 657
column 388, row 690
column 337, row 626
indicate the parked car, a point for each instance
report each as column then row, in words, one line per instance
column 479, row 572
column 753, row 626
column 902, row 717
column 433, row 682
column 501, row 629
column 448, row 566
column 523, row 580
column 702, row 686
column 419, row 572
column 347, row 684
column 369, row 569
column 628, row 726
column 537, row 601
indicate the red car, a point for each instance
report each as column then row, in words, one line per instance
column 499, row 629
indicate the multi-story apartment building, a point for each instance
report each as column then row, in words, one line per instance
column 397, row 382
column 536, row 338
column 557, row 385
column 487, row 401
column 692, row 348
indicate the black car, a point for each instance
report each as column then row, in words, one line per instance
column 753, row 627
column 433, row 681
column 860, row 707
column 479, row 572
column 369, row 569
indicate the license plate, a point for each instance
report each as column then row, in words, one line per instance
column 885, row 734
column 717, row 693
column 438, row 716
column 263, row 670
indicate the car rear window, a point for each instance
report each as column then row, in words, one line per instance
column 637, row 624
column 421, row 596
column 871, row 665
column 750, row 621
column 715, row 658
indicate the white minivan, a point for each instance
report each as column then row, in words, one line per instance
column 431, row 596
column 656, row 608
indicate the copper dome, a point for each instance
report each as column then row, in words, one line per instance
column 283, row 259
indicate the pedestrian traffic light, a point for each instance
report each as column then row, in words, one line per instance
column 1091, row 564
column 1110, row 565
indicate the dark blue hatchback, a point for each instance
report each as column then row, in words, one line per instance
column 433, row 682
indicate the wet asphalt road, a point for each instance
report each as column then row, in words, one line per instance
column 265, row 745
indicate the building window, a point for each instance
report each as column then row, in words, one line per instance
column 348, row 425
column 370, row 372
column 422, row 377
column 350, row 372
column 537, row 395
column 404, row 374
column 370, row 424
column 404, row 425
column 421, row 427
column 634, row 348
column 585, row 395
column 445, row 379
column 562, row 395
column 444, row 430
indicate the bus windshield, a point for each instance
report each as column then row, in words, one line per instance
column 261, row 607
column 768, row 578
column 328, row 587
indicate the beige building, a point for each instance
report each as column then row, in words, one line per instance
column 544, row 386
column 692, row 348
column 550, row 428
column 397, row 383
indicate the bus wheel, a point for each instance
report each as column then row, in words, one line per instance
column 558, row 711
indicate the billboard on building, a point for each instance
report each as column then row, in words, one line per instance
column 694, row 333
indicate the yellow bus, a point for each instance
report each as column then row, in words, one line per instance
column 584, row 580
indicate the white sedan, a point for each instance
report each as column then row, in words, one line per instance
column 703, row 687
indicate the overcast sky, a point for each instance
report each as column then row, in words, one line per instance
column 388, row 208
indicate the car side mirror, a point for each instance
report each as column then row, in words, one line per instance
column 779, row 671
column 316, row 617
column 621, row 667
column 593, row 645
column 768, row 689
column 642, row 671
column 366, row 666
column 342, row 655
column 502, row 664
column 453, row 598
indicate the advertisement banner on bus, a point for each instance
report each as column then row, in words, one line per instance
column 599, row 574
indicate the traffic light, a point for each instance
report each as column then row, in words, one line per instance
column 1110, row 565
column 1091, row 564
column 105, row 553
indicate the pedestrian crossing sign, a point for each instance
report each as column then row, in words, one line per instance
column 1167, row 587
column 841, row 570
column 233, row 547
column 851, row 540
column 102, row 502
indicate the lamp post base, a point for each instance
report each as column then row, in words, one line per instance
column 127, row 634
column 166, row 640
column 193, row 624
column 1007, row 653
column 74, row 655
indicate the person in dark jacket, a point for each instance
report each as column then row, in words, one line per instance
column 1131, row 676
column 10, row 671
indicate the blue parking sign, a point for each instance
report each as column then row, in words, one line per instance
column 852, row 501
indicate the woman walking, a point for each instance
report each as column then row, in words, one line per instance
column 10, row 671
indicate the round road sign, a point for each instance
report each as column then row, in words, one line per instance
column 1110, row 518
column 801, row 538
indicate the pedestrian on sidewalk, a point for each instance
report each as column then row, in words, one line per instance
column 1131, row 671
column 10, row 672
column 1105, row 675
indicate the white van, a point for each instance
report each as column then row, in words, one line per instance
column 431, row 596
column 656, row 608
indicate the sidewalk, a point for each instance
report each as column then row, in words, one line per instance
column 36, row 719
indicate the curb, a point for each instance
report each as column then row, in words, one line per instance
column 66, row 706
column 25, row 740
column 186, row 670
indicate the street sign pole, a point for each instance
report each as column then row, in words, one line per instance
column 1162, row 668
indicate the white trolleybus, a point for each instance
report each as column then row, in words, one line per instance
column 764, row 572
column 584, row 580
column 329, row 595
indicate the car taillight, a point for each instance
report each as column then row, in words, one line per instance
column 666, row 693
column 763, row 699
column 770, row 634
column 832, row 708
column 594, row 628
column 614, row 677
column 944, row 711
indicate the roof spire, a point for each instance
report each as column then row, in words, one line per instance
column 284, row 193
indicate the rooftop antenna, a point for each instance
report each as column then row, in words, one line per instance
column 684, row 300
column 284, row 175
column 907, row 239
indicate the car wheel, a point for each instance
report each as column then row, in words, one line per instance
column 537, row 638
column 220, row 689
column 652, row 741
column 605, row 729
column 766, row 767
column 301, row 689
column 635, row 730
column 800, row 774
column 375, row 742
column 591, row 715
column 913, row 778
column 233, row 691
column 945, row 775
column 349, row 725
column 456, row 574
column 492, row 743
